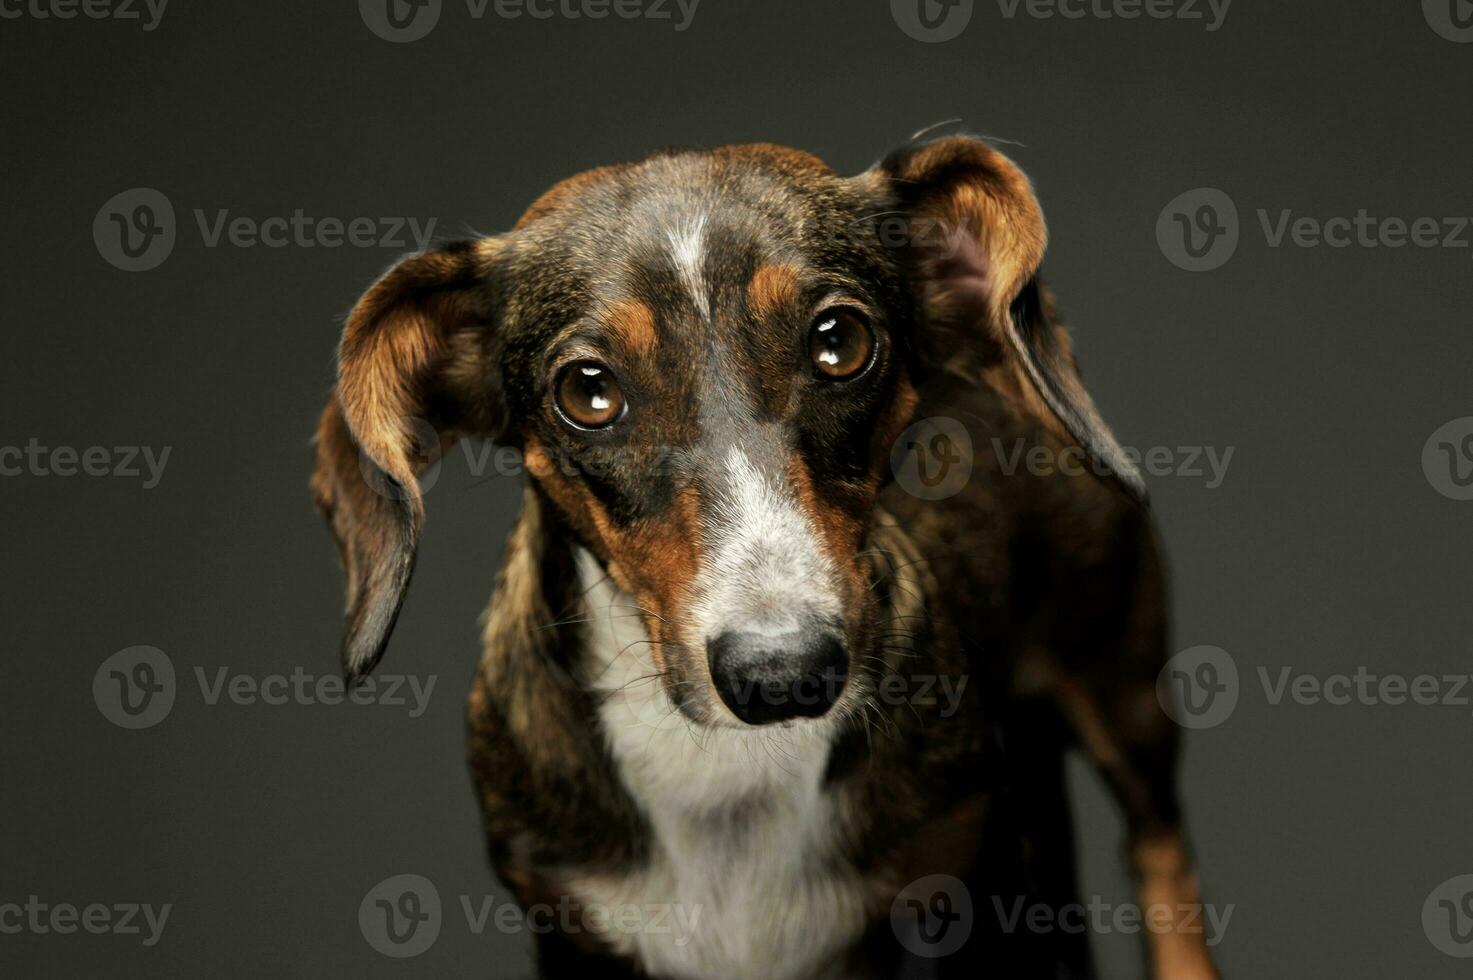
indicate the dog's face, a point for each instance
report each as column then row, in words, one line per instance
column 705, row 358
column 714, row 373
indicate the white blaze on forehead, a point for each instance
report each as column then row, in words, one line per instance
column 687, row 239
column 764, row 569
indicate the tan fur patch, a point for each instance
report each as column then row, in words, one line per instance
column 773, row 289
column 572, row 498
column 412, row 321
column 633, row 324
column 656, row 562
column 653, row 561
column 363, row 531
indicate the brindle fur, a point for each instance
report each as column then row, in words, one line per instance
column 1046, row 592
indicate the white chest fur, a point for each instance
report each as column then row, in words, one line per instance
column 744, row 875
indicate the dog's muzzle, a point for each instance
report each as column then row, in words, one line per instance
column 765, row 679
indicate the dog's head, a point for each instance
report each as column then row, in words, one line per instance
column 705, row 358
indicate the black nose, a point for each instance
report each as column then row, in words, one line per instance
column 764, row 679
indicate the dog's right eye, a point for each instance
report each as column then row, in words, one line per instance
column 840, row 345
column 588, row 396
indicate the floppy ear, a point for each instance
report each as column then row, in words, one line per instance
column 977, row 240
column 414, row 374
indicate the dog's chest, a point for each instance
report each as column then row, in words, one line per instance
column 744, row 877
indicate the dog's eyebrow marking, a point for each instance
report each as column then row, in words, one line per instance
column 634, row 324
column 773, row 288
column 688, row 252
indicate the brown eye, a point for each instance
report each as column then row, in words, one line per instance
column 588, row 396
column 840, row 345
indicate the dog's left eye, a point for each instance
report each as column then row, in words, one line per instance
column 588, row 395
column 840, row 345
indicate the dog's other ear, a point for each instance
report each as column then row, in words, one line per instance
column 977, row 238
column 414, row 374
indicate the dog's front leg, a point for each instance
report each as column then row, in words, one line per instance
column 1137, row 757
column 1171, row 905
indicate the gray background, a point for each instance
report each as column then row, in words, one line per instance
column 1325, row 549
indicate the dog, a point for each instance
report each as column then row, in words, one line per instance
column 708, row 652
